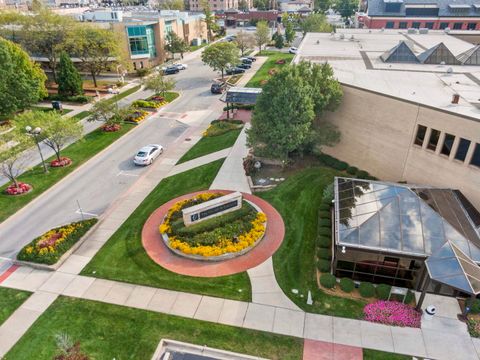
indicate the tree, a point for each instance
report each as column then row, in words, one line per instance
column 69, row 80
column 107, row 112
column 244, row 41
column 11, row 23
column 243, row 5
column 260, row 4
column 209, row 19
column 322, row 5
column 12, row 157
column 347, row 7
column 220, row 55
column 262, row 34
column 159, row 84
column 315, row 23
column 22, row 82
column 279, row 43
column 289, row 31
column 46, row 34
column 172, row 5
column 98, row 49
column 174, row 44
column 56, row 130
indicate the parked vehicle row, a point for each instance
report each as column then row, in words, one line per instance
column 174, row 69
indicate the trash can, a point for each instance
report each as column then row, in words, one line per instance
column 429, row 312
column 57, row 105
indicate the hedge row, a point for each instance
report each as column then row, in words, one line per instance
column 332, row 162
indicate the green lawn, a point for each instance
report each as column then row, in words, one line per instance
column 262, row 73
column 81, row 115
column 79, row 152
column 297, row 200
column 10, row 300
column 116, row 332
column 369, row 354
column 210, row 144
column 48, row 109
column 123, row 258
column 196, row 47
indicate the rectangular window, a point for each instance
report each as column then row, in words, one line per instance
column 462, row 149
column 416, row 25
column 429, row 25
column 447, row 144
column 476, row 156
column 433, row 141
column 421, row 131
column 402, row 25
column 389, row 24
column 472, row 26
column 443, row 25
column 457, row 26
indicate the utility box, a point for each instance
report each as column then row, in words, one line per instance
column 57, row 105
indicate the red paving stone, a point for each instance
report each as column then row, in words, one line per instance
column 321, row 350
column 8, row 272
column 240, row 114
column 159, row 252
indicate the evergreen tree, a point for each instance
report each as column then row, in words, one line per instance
column 69, row 80
column 279, row 43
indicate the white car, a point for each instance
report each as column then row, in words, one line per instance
column 180, row 66
column 292, row 50
column 147, row 154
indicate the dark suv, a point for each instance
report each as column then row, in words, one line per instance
column 218, row 88
column 171, row 70
column 234, row 70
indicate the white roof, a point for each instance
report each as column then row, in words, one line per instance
column 356, row 61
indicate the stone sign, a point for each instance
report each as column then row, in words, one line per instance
column 212, row 208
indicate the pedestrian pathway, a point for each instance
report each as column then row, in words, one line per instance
column 203, row 160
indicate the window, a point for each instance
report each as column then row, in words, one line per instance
column 476, row 156
column 134, row 65
column 472, row 26
column 447, row 144
column 433, row 141
column 389, row 24
column 421, row 131
column 421, row 11
column 416, row 25
column 457, row 26
column 462, row 149
column 429, row 25
column 443, row 25
column 402, row 25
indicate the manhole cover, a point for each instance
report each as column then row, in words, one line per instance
column 187, row 139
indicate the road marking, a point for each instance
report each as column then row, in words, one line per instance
column 127, row 174
column 85, row 213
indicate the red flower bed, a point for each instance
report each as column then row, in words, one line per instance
column 263, row 82
column 392, row 313
column 280, row 62
column 157, row 98
column 64, row 161
column 111, row 127
column 272, row 72
column 22, row 188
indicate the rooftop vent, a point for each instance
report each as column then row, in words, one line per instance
column 412, row 31
column 455, row 98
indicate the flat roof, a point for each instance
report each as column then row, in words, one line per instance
column 355, row 56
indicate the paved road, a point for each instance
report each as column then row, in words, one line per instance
column 99, row 182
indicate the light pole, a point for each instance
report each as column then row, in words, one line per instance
column 35, row 132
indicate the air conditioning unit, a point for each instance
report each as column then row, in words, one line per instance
column 411, row 31
column 423, row 31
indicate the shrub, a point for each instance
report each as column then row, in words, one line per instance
column 143, row 72
column 340, row 165
column 324, row 254
column 324, row 242
column 328, row 281
column 324, row 207
column 352, row 170
column 144, row 104
column 82, row 99
column 323, row 265
column 382, row 291
column 474, row 305
column 366, row 289
column 347, row 285
column 409, row 297
column 324, row 223
column 392, row 313
column 362, row 174
column 324, row 214
column 325, row 231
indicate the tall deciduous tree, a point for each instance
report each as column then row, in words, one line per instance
column 175, row 44
column 11, row 23
column 160, row 84
column 279, row 42
column 243, row 5
column 212, row 26
column 107, row 112
column 220, row 55
column 315, row 23
column 98, row 49
column 347, row 7
column 22, row 82
column 12, row 157
column 262, row 34
column 69, row 80
column 244, row 41
column 289, row 31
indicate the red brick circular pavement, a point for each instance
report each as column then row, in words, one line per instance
column 159, row 252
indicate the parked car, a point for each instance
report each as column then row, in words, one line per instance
column 252, row 58
column 147, row 154
column 244, row 66
column 234, row 70
column 245, row 60
column 181, row 66
column 218, row 87
column 171, row 70
column 230, row 38
column 293, row 50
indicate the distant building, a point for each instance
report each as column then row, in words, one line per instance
column 237, row 18
column 435, row 15
column 218, row 5
column 295, row 6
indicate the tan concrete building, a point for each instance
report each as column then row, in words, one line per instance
column 418, row 123
column 218, row 5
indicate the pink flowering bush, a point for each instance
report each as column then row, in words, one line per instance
column 22, row 188
column 392, row 313
column 64, row 161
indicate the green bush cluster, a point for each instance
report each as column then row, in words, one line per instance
column 81, row 99
column 238, row 107
column 325, row 231
column 366, row 289
column 324, row 242
column 323, row 265
column 221, row 127
column 236, row 122
column 332, row 162
column 324, row 223
column 361, row 174
column 324, row 207
column 474, row 305
column 328, row 281
column 382, row 291
column 324, row 254
column 352, row 170
column 143, row 72
column 144, row 104
column 409, row 297
column 347, row 285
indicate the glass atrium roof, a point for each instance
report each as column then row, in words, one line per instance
column 400, row 218
column 450, row 266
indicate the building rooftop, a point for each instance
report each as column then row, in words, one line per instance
column 404, row 219
column 460, row 8
column 356, row 57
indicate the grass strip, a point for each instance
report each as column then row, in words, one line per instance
column 262, row 73
column 369, row 354
column 10, row 300
column 81, row 115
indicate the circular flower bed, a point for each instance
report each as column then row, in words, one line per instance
column 21, row 188
column 232, row 233
column 64, row 161
column 392, row 313
column 111, row 127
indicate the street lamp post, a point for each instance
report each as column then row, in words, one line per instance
column 35, row 132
